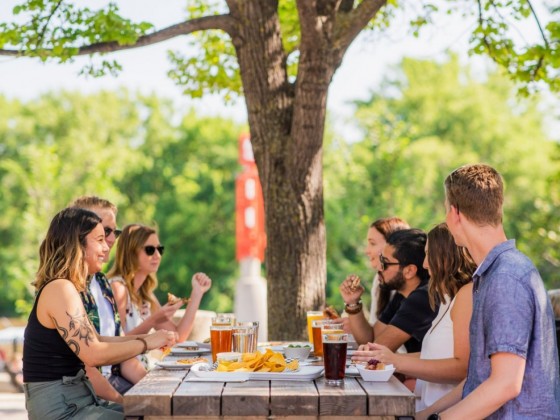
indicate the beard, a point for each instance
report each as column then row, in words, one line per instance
column 396, row 283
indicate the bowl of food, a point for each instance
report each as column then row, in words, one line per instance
column 375, row 371
column 298, row 351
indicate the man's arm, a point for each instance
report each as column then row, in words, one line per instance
column 360, row 327
column 503, row 384
column 101, row 385
column 391, row 336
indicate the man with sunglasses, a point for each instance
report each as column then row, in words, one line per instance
column 408, row 316
column 99, row 302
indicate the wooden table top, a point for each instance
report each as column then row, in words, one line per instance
column 163, row 394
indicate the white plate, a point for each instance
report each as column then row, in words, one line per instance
column 305, row 373
column 376, row 375
column 173, row 365
column 178, row 351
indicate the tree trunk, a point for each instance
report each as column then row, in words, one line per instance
column 287, row 125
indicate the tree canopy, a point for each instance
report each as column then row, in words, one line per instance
column 281, row 55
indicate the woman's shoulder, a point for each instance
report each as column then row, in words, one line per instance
column 117, row 280
column 465, row 291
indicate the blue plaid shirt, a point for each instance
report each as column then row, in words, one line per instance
column 512, row 314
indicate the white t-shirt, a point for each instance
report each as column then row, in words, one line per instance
column 437, row 344
column 106, row 316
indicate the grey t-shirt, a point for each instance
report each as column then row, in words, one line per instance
column 512, row 314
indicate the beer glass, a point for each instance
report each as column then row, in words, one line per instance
column 318, row 326
column 312, row 316
column 220, row 339
column 334, row 357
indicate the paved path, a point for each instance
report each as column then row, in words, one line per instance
column 12, row 403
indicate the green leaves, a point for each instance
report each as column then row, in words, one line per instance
column 56, row 29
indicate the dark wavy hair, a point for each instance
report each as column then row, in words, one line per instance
column 62, row 252
column 451, row 266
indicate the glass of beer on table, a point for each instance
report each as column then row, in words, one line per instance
column 335, row 345
column 318, row 326
column 312, row 316
column 221, row 332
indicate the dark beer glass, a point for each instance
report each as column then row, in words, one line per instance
column 334, row 357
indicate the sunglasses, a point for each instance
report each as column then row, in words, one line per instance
column 150, row 250
column 384, row 262
column 108, row 232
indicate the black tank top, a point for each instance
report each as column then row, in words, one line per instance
column 46, row 356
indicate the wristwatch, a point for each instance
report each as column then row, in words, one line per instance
column 434, row 416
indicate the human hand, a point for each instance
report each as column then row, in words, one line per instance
column 349, row 291
column 381, row 353
column 201, row 283
column 166, row 312
column 161, row 338
column 363, row 354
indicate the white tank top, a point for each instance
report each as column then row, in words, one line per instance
column 437, row 344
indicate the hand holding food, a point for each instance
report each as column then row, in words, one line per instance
column 351, row 289
column 173, row 300
column 161, row 338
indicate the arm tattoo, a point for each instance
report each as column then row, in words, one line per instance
column 83, row 331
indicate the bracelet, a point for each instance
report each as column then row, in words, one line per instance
column 353, row 305
column 145, row 344
column 353, row 309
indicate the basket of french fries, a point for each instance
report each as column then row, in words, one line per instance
column 269, row 361
column 268, row 365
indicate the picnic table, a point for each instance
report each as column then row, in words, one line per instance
column 167, row 394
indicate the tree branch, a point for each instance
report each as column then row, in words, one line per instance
column 355, row 21
column 223, row 22
column 534, row 13
column 45, row 27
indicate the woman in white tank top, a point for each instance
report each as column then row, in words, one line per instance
column 444, row 358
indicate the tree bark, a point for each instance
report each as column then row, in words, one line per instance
column 287, row 126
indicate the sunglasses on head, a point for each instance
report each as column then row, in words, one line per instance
column 384, row 262
column 108, row 232
column 150, row 250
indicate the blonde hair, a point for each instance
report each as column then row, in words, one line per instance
column 90, row 202
column 62, row 252
column 131, row 241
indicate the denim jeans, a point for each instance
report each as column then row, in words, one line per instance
column 70, row 397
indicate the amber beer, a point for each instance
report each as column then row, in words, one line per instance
column 312, row 316
column 318, row 327
column 221, row 339
column 334, row 357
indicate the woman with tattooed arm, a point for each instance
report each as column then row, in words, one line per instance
column 59, row 338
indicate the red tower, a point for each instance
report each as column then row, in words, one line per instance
column 249, row 206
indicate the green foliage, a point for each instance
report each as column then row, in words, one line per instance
column 417, row 128
column 126, row 149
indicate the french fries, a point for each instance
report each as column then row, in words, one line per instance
column 270, row 361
